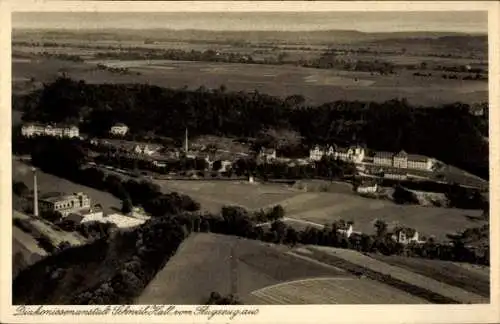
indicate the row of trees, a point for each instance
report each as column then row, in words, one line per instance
column 388, row 126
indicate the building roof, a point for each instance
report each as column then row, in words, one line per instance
column 120, row 125
column 268, row 150
column 61, row 125
column 418, row 158
column 402, row 153
column 74, row 217
column 368, row 183
column 62, row 197
column 368, row 159
column 409, row 232
column 383, row 155
column 342, row 149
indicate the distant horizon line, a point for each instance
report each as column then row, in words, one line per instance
column 100, row 30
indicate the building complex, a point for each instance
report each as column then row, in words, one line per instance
column 34, row 129
column 359, row 155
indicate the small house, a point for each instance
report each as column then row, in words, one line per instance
column 367, row 187
column 345, row 229
column 119, row 129
column 405, row 235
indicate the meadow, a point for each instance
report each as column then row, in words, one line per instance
column 325, row 207
column 316, row 85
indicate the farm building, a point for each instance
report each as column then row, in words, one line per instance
column 395, row 174
column 367, row 187
column 405, row 235
column 346, row 230
column 119, row 129
column 30, row 130
column 267, row 154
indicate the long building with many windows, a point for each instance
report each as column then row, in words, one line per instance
column 34, row 129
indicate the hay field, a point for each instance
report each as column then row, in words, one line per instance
column 316, row 85
column 50, row 183
column 403, row 274
column 333, row 291
column 203, row 264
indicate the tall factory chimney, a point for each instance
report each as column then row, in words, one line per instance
column 186, row 144
column 35, row 193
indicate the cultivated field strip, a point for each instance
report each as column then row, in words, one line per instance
column 412, row 278
column 333, row 291
column 470, row 277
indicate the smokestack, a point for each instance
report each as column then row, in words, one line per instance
column 186, row 145
column 35, row 193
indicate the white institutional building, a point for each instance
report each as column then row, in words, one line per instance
column 359, row 155
column 32, row 129
column 354, row 154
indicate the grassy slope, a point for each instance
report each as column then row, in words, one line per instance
column 25, row 250
column 444, row 271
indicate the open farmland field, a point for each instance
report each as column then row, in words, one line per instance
column 203, row 264
column 337, row 256
column 324, row 208
column 212, row 195
column 260, row 273
column 50, row 183
column 444, row 271
column 316, row 85
column 332, row 291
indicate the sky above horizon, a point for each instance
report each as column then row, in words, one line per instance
column 450, row 21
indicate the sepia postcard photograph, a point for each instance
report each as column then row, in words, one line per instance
column 233, row 160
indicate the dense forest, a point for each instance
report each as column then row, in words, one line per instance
column 449, row 133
